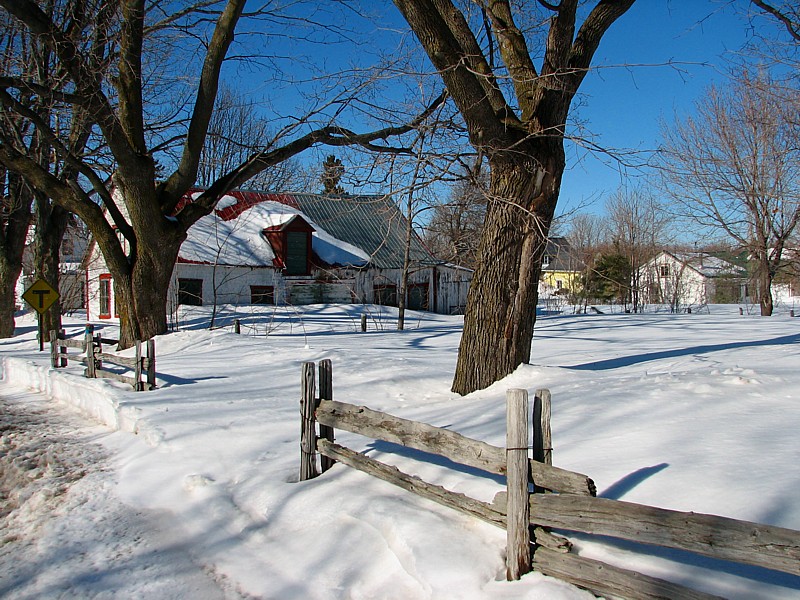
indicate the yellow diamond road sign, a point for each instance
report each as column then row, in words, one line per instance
column 40, row 296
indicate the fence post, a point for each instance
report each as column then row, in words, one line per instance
column 88, row 343
column 325, row 393
column 62, row 350
column 518, row 551
column 98, row 340
column 151, row 363
column 137, row 368
column 308, row 433
column 542, row 435
column 363, row 323
column 237, row 326
column 53, row 349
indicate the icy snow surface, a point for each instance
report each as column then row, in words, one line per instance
column 194, row 486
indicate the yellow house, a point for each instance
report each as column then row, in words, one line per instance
column 561, row 269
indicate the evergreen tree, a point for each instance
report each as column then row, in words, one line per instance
column 332, row 173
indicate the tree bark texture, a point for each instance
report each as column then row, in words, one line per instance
column 522, row 140
column 51, row 224
column 13, row 232
column 501, row 305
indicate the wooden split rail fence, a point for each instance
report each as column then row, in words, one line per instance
column 91, row 346
column 568, row 504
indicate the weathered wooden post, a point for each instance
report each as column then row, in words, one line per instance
column 363, row 323
column 518, row 551
column 62, row 350
column 88, row 343
column 325, row 393
column 237, row 326
column 308, row 429
column 151, row 363
column 53, row 349
column 137, row 368
column 542, row 435
column 98, row 349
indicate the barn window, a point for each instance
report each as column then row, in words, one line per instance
column 386, row 295
column 190, row 292
column 664, row 270
column 262, row 294
column 105, row 296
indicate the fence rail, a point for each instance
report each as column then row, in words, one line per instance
column 143, row 367
column 573, row 507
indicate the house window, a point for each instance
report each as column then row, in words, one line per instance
column 559, row 284
column 417, row 296
column 546, row 261
column 385, row 295
column 190, row 292
column 664, row 271
column 105, row 296
column 296, row 253
column 262, row 294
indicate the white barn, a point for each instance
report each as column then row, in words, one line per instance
column 295, row 249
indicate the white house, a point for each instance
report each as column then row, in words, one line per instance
column 264, row 248
column 687, row 279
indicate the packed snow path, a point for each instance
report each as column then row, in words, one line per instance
column 63, row 533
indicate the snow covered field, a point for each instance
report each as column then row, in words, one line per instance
column 192, row 488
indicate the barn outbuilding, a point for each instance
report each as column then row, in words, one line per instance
column 295, row 249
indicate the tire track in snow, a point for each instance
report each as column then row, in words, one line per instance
column 63, row 531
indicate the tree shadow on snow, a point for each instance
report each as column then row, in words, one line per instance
column 621, row 487
column 627, row 361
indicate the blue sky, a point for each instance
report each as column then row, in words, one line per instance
column 623, row 106
column 653, row 64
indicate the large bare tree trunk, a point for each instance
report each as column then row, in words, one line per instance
column 142, row 275
column 13, row 232
column 51, row 223
column 523, row 143
column 501, row 306
column 764, row 274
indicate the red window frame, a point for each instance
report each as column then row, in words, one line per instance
column 105, row 296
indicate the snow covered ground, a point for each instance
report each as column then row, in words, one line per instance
column 191, row 490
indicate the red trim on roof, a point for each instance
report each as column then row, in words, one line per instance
column 189, row 261
column 244, row 201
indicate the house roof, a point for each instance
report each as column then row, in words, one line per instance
column 348, row 230
column 708, row 265
column 561, row 256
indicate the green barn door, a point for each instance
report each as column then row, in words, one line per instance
column 296, row 253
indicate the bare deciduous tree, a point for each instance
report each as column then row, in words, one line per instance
column 638, row 224
column 585, row 237
column 237, row 131
column 735, row 168
column 33, row 94
column 515, row 114
column 142, row 224
column 455, row 227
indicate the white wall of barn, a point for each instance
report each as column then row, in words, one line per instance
column 446, row 289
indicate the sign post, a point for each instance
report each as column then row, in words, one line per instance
column 41, row 296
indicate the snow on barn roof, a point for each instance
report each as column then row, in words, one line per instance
column 348, row 230
column 709, row 265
